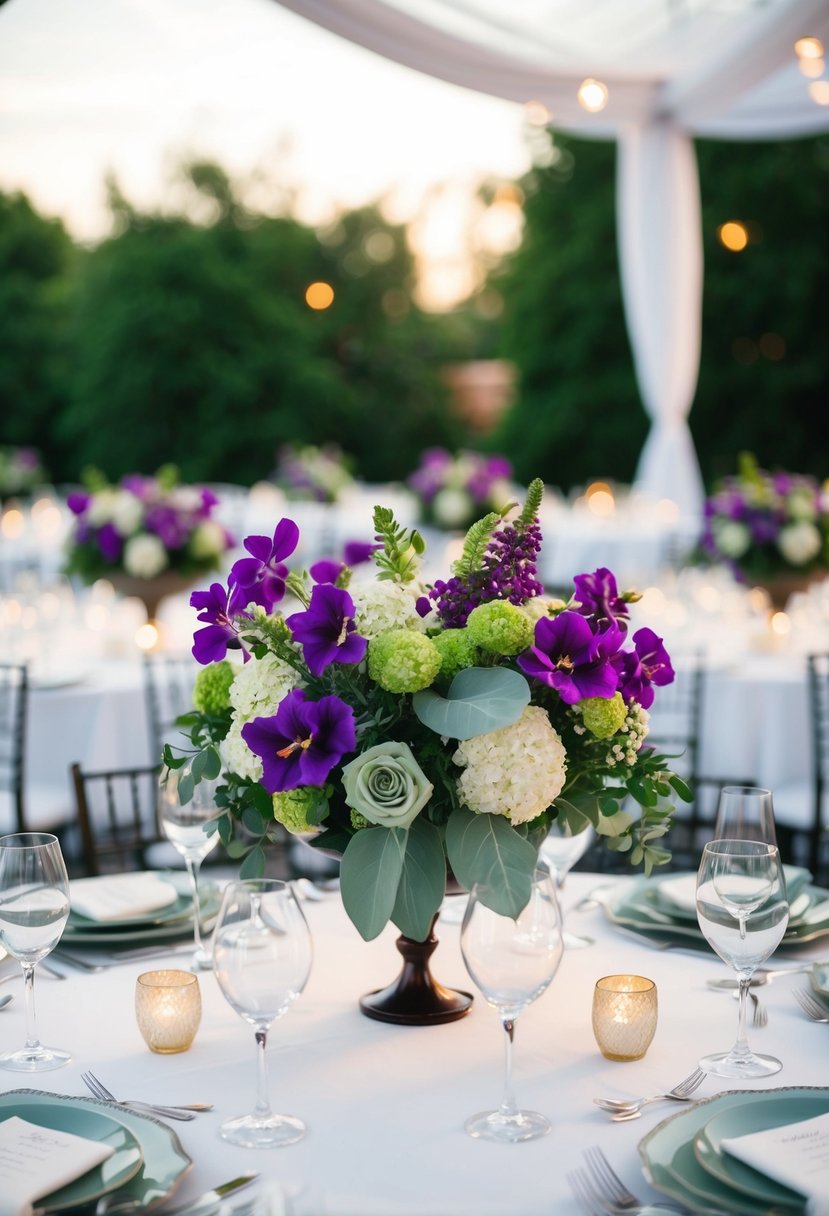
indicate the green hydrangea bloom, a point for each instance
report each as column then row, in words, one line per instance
column 403, row 661
column 212, row 688
column 291, row 808
column 603, row 716
column 457, row 651
column 500, row 627
column 358, row 821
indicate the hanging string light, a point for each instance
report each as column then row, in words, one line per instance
column 592, row 95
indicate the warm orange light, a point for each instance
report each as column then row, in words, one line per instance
column 592, row 95
column 819, row 92
column 319, row 296
column 13, row 523
column 600, row 499
column 812, row 67
column 733, row 235
column 808, row 48
column 146, row 636
column 537, row 113
column 772, row 346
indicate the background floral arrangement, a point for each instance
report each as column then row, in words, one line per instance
column 763, row 524
column 21, row 471
column 454, row 490
column 318, row 474
column 143, row 527
column 411, row 728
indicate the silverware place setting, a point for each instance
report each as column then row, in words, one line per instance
column 621, row 1109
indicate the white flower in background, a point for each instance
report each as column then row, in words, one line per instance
column 382, row 605
column 208, row 540
column 517, row 771
column 799, row 543
column 731, row 537
column 801, row 504
column 144, row 556
column 259, row 687
column 543, row 605
column 101, row 507
column 127, row 512
column 451, row 507
column 186, row 499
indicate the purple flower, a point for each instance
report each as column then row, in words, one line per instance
column 260, row 579
column 326, row 630
column 220, row 633
column 110, row 543
column 569, row 657
column 302, row 742
column 358, row 551
column 78, row 501
column 643, row 667
column 169, row 526
column 598, row 595
column 326, row 570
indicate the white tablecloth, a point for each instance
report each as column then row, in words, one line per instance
column 385, row 1105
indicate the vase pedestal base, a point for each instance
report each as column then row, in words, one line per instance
column 416, row 998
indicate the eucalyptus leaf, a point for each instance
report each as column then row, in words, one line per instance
column 422, row 882
column 254, row 864
column 186, row 788
column 369, row 877
column 479, row 700
column 484, row 850
column 212, row 763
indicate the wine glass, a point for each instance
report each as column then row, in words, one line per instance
column 262, row 953
column 743, row 912
column 184, row 826
column 561, row 848
column 745, row 812
column 512, row 961
column 34, row 906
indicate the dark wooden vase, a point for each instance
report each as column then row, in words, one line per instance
column 416, row 998
column 781, row 587
column 151, row 591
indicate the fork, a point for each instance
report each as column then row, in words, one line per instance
column 630, row 1108
column 600, row 1191
column 100, row 1091
column 811, row 1005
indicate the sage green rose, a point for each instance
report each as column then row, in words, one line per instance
column 387, row 785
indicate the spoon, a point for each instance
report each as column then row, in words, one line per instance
column 4, row 1000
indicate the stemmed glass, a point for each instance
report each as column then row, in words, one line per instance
column 561, row 849
column 184, row 826
column 743, row 912
column 262, row 953
column 34, row 906
column 745, row 812
column 512, row 962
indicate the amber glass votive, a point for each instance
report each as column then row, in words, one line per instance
column 624, row 1016
column 168, row 1009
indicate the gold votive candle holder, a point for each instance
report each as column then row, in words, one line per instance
column 168, row 1009
column 624, row 1015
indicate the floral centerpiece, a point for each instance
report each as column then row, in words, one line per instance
column 418, row 729
column 452, row 491
column 21, row 471
column 765, row 525
column 144, row 528
column 316, row 474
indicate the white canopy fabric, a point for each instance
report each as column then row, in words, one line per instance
column 673, row 69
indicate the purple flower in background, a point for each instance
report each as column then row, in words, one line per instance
column 209, row 500
column 326, row 570
column 326, row 630
column 598, row 595
column 110, row 543
column 302, row 742
column 356, row 552
column 260, row 579
column 643, row 667
column 78, row 501
column 172, row 528
column 569, row 657
column 211, row 644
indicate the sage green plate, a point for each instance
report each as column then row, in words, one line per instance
column 675, row 893
column 164, row 1161
column 92, row 934
column 670, row 1164
column 741, row 1121
column 179, row 909
column 819, row 975
column 48, row 1110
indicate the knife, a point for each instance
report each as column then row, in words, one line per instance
column 196, row 1207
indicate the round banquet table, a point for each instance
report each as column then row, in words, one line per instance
column 385, row 1105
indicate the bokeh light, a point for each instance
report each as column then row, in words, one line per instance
column 808, row 48
column 319, row 296
column 733, row 235
column 819, row 92
column 592, row 95
column 537, row 114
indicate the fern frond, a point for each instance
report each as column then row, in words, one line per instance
column 535, row 493
column 474, row 545
column 399, row 559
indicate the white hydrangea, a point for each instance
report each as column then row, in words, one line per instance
column 237, row 756
column 632, row 734
column 186, row 499
column 732, row 538
column 517, row 771
column 799, row 543
column 117, row 507
column 208, row 539
column 144, row 556
column 451, row 507
column 259, row 686
column 800, row 504
column 382, row 605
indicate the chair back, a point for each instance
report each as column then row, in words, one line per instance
column 116, row 816
column 818, row 683
column 168, row 693
column 14, row 696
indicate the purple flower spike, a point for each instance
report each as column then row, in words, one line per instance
column 260, row 579
column 211, row 644
column 638, row 670
column 302, row 742
column 326, row 630
column 569, row 657
column 598, row 595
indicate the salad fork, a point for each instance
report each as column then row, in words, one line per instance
column 629, row 1108
column 811, row 1005
column 601, row 1192
column 100, row 1091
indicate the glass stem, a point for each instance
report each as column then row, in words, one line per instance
column 741, row 1047
column 263, row 1106
column 193, row 871
column 508, row 1106
column 32, row 1040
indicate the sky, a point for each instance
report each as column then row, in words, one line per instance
column 134, row 87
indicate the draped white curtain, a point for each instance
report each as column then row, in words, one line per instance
column 742, row 83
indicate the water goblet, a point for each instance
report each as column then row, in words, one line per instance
column 561, row 848
column 34, row 906
column 184, row 825
column 262, row 953
column 745, row 812
column 743, row 912
column 512, row 962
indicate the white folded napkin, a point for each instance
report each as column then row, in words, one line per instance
column 796, row 1155
column 115, row 896
column 34, row 1161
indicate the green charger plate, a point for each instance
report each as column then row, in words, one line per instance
column 91, row 934
column 674, row 893
column 819, row 975
column 164, row 1161
column 180, row 909
column 49, row 1110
